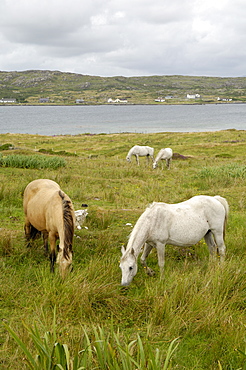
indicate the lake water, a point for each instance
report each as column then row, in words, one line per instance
column 72, row 120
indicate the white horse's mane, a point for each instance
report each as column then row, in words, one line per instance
column 139, row 230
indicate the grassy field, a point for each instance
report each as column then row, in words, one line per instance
column 200, row 304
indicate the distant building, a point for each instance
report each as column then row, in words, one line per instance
column 224, row 99
column 8, row 100
column 44, row 100
column 159, row 100
column 193, row 96
column 117, row 101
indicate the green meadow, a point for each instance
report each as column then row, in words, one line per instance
column 194, row 318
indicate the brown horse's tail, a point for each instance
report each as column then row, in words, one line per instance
column 68, row 219
column 225, row 204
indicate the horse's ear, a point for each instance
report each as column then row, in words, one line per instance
column 123, row 249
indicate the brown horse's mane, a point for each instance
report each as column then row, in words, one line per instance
column 68, row 224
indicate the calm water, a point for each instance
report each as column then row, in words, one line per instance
column 57, row 120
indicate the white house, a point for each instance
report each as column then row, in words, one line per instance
column 193, row 96
column 8, row 100
column 117, row 101
column 224, row 99
column 159, row 100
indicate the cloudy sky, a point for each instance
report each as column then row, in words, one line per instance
column 124, row 37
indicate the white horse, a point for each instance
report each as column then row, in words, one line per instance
column 140, row 151
column 165, row 154
column 182, row 224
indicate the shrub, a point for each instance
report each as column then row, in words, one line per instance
column 6, row 146
column 31, row 161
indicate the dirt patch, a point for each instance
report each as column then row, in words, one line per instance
column 181, row 156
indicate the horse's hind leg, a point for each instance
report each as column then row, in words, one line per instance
column 219, row 240
column 211, row 244
column 146, row 252
column 30, row 232
column 27, row 229
column 168, row 163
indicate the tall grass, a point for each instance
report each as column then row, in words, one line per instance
column 31, row 161
column 99, row 348
column 233, row 170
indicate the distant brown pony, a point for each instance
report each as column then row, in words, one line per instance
column 48, row 210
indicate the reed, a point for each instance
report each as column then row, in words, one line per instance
column 99, row 348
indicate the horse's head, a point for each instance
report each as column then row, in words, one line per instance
column 64, row 261
column 128, row 158
column 154, row 165
column 128, row 265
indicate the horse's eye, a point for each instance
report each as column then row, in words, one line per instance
column 130, row 268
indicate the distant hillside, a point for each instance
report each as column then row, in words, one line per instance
column 66, row 88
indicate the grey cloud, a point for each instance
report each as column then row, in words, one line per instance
column 128, row 37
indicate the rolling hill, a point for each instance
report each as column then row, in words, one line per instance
column 28, row 87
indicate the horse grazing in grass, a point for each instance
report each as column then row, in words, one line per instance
column 48, row 210
column 140, row 151
column 182, row 224
column 164, row 154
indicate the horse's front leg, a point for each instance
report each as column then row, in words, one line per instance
column 137, row 159
column 161, row 258
column 45, row 239
column 52, row 239
column 146, row 252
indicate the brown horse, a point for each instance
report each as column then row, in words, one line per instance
column 48, row 210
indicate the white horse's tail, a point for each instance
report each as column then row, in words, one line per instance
column 225, row 204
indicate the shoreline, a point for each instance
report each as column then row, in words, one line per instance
column 116, row 104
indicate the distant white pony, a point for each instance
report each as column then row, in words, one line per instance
column 140, row 151
column 164, row 154
column 182, row 224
